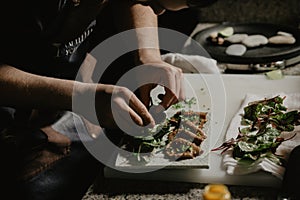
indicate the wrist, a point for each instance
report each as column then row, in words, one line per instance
column 144, row 56
column 83, row 93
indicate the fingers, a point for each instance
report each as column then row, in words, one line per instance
column 145, row 94
column 164, row 74
column 174, row 87
column 170, row 77
column 168, row 99
column 123, row 107
column 136, row 106
column 181, row 95
column 131, row 117
column 126, row 118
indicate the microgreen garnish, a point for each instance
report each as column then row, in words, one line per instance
column 157, row 138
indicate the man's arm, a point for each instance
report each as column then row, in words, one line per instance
column 135, row 16
column 20, row 89
column 144, row 20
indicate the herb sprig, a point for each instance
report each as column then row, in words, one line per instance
column 155, row 138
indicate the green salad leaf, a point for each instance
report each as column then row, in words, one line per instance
column 156, row 137
column 263, row 122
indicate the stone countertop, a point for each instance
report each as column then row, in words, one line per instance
column 294, row 70
column 271, row 11
column 158, row 190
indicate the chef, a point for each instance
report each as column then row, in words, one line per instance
column 43, row 44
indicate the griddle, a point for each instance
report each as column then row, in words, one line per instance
column 259, row 55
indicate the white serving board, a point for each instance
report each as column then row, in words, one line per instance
column 234, row 87
column 127, row 160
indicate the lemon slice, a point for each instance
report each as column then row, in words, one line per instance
column 274, row 75
column 216, row 192
column 226, row 32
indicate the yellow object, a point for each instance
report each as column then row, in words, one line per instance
column 275, row 74
column 226, row 32
column 216, row 192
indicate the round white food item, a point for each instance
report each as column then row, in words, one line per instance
column 280, row 39
column 236, row 50
column 255, row 40
column 236, row 38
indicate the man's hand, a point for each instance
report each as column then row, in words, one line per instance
column 164, row 74
column 112, row 107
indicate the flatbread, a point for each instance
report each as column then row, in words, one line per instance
column 255, row 40
column 282, row 39
column 236, row 38
column 236, row 50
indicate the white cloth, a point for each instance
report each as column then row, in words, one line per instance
column 192, row 63
column 234, row 168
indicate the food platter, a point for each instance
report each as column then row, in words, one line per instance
column 157, row 158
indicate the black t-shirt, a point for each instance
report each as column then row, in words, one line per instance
column 33, row 36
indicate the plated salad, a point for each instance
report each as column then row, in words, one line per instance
column 260, row 134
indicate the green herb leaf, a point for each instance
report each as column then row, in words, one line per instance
column 263, row 121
